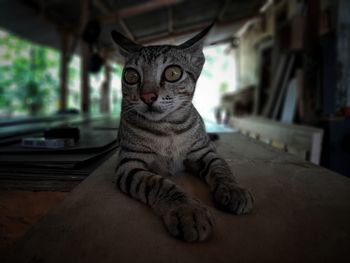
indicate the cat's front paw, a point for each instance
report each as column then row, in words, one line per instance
column 232, row 198
column 190, row 221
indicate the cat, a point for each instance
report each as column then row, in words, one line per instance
column 161, row 133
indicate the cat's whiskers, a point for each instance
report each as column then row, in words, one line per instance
column 157, row 140
column 128, row 109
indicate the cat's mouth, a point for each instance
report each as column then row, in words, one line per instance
column 153, row 112
column 153, row 109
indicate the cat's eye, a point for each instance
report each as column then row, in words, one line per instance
column 131, row 76
column 172, row 73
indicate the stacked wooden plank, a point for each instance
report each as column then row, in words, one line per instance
column 303, row 141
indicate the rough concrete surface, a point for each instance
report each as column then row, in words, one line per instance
column 301, row 214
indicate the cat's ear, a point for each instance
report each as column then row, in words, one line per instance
column 196, row 43
column 127, row 46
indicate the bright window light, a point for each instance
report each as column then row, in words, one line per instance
column 218, row 77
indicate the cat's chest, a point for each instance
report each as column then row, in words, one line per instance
column 170, row 153
column 171, row 146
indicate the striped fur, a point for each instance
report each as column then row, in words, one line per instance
column 169, row 136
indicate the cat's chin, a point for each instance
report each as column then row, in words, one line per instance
column 154, row 115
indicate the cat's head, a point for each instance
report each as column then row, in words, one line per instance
column 158, row 80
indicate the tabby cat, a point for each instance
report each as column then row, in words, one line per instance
column 161, row 133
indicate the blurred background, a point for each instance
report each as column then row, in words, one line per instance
column 276, row 71
column 30, row 73
column 30, row 80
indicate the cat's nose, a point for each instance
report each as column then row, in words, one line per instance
column 149, row 98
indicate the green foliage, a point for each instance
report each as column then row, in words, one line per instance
column 28, row 77
column 223, row 88
column 209, row 63
column 118, row 70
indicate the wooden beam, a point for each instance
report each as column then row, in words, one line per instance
column 170, row 20
column 126, row 29
column 85, row 80
column 281, row 91
column 223, row 10
column 50, row 15
column 137, row 9
column 275, row 86
column 191, row 29
column 310, row 64
column 105, row 90
column 85, row 54
column 343, row 55
column 64, row 63
column 105, row 8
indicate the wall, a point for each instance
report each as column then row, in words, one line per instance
column 247, row 52
column 258, row 31
column 343, row 50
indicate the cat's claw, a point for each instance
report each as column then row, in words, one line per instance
column 190, row 221
column 232, row 198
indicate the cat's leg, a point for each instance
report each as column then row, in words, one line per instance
column 184, row 218
column 227, row 193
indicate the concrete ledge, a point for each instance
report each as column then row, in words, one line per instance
column 302, row 213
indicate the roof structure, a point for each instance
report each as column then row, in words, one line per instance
column 146, row 22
